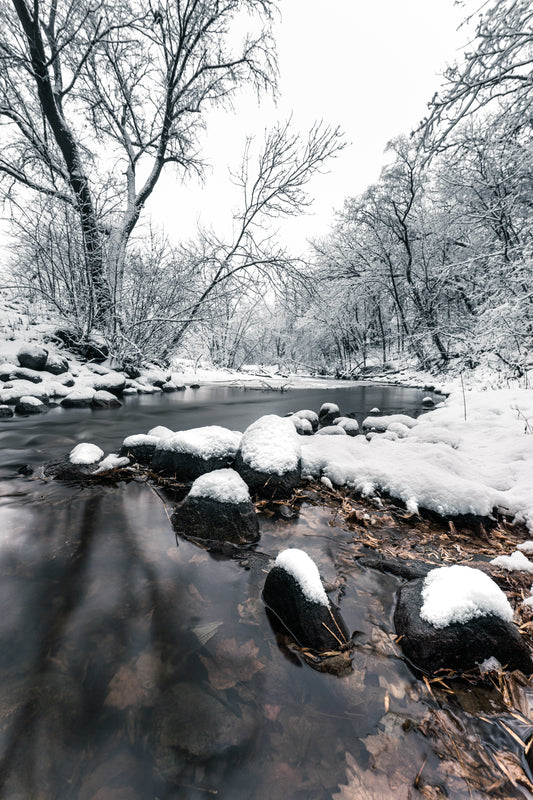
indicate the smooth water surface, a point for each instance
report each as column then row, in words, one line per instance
column 133, row 666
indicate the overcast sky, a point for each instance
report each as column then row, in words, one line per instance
column 370, row 67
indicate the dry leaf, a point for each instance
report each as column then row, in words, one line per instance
column 232, row 663
column 368, row 785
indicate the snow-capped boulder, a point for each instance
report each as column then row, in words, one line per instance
column 56, row 364
column 104, row 399
column 328, row 412
column 85, row 453
column 80, row 464
column 113, row 382
column 457, row 617
column 140, row 447
column 302, row 426
column 169, row 386
column 80, row 397
column 32, row 356
column 218, row 507
column 6, row 411
column 6, row 368
column 30, row 405
column 12, row 391
column 428, row 402
column 269, row 457
column 383, row 422
column 297, row 600
column 25, row 374
column 189, row 454
column 309, row 415
column 349, row 425
column 331, row 430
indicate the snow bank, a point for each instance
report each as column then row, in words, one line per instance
column 211, row 441
column 305, row 572
column 459, row 594
column 85, row 453
column 223, row 485
column 271, row 445
column 442, row 462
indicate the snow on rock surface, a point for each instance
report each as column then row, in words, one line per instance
column 161, row 431
column 211, row 441
column 112, row 461
column 459, row 594
column 271, row 445
column 85, row 453
column 304, row 570
column 223, row 485
column 516, row 562
column 382, row 423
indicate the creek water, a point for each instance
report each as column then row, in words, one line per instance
column 134, row 666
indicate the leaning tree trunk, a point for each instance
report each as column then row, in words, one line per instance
column 51, row 106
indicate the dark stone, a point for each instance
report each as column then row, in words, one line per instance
column 142, row 450
column 27, row 406
column 5, row 411
column 326, row 416
column 56, row 364
column 194, row 386
column 187, row 466
column 103, row 399
column 206, row 518
column 65, row 470
column 32, row 356
column 428, row 402
column 268, row 484
column 458, row 646
column 310, row 624
column 25, row 469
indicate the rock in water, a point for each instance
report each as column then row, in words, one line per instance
column 328, row 412
column 218, row 507
column 465, row 621
column 189, row 454
column 294, row 594
column 269, row 457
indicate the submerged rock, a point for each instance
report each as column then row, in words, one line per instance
column 296, row 599
column 460, row 628
column 269, row 457
column 218, row 507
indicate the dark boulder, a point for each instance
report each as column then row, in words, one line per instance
column 189, row 454
column 30, row 405
column 328, row 412
column 32, row 356
column 5, row 411
column 56, row 364
column 458, row 645
column 297, row 602
column 140, row 447
column 219, row 508
column 269, row 457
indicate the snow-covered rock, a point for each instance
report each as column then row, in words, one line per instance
column 302, row 426
column 350, row 426
column 56, row 364
column 140, row 447
column 218, row 507
column 111, row 461
column 32, row 356
column 383, row 422
column 12, row 391
column 79, row 397
column 85, row 453
column 296, row 599
column 30, row 405
column 113, row 382
column 516, row 562
column 105, row 399
column 328, row 412
column 457, row 617
column 309, row 415
column 269, row 456
column 189, row 454
column 331, row 430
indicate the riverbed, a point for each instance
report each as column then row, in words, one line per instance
column 134, row 665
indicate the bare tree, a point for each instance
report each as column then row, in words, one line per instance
column 497, row 69
column 97, row 98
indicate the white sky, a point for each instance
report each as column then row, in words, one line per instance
column 369, row 66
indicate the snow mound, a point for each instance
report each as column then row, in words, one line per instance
column 382, row 423
column 223, row 485
column 85, row 453
column 459, row 594
column 139, row 439
column 304, row 570
column 211, row 441
column 161, row 431
column 526, row 547
column 516, row 562
column 271, row 445
column 112, row 461
column 331, row 430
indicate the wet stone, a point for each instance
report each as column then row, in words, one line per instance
column 458, row 646
column 207, row 518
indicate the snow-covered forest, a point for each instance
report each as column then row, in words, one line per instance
column 430, row 266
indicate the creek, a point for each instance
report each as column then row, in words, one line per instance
column 134, row 666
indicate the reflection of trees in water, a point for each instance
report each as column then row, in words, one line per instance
column 107, row 610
